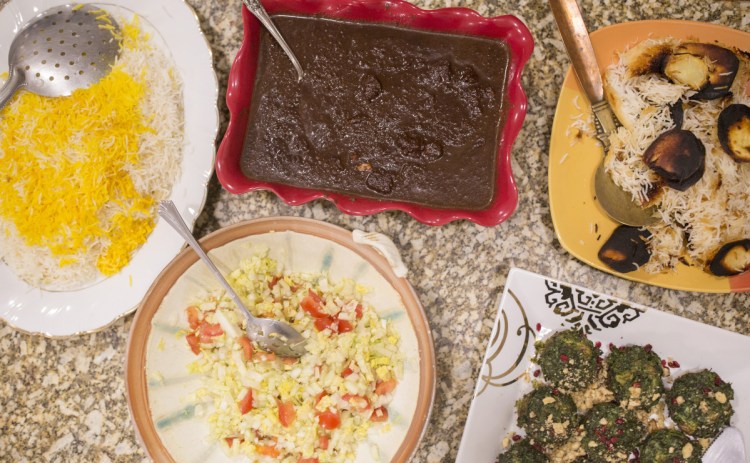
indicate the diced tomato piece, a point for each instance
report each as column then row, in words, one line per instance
column 273, row 282
column 385, row 387
column 329, row 420
column 193, row 316
column 247, row 348
column 379, row 414
column 194, row 343
column 265, row 356
column 319, row 397
column 287, row 414
column 209, row 330
column 361, row 404
column 313, row 304
column 323, row 323
column 230, row 440
column 358, row 311
column 337, row 326
column 267, row 450
column 344, row 326
column 346, row 372
column 307, row 460
column 246, row 404
column 323, row 442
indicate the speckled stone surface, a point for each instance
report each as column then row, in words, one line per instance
column 64, row 400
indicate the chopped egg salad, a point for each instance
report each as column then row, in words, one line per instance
column 82, row 174
column 315, row 409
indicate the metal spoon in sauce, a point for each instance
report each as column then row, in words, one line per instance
column 256, row 8
column 271, row 335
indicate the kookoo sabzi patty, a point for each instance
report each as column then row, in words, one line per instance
column 634, row 375
column 547, row 415
column 670, row 446
column 611, row 433
column 569, row 360
column 700, row 403
column 522, row 452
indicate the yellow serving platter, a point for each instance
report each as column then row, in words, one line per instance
column 581, row 224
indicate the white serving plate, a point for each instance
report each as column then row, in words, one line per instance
column 530, row 299
column 175, row 27
column 160, row 389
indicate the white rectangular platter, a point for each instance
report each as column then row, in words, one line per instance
column 533, row 306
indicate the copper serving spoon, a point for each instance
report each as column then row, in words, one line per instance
column 616, row 202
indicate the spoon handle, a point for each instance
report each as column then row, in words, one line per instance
column 168, row 211
column 256, row 8
column 15, row 81
column 581, row 51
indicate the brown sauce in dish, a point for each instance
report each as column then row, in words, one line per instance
column 383, row 112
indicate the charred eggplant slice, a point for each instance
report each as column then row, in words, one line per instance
column 648, row 59
column 687, row 69
column 626, row 250
column 734, row 131
column 679, row 157
column 732, row 259
column 706, row 68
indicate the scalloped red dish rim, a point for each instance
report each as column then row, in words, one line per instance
column 456, row 20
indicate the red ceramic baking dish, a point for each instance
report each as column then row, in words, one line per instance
column 454, row 20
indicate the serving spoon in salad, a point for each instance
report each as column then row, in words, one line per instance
column 271, row 335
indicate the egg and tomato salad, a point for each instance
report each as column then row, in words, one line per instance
column 315, row 409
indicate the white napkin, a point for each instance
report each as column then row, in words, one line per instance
column 729, row 447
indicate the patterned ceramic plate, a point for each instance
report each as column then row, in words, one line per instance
column 158, row 381
column 533, row 306
column 581, row 224
column 175, row 28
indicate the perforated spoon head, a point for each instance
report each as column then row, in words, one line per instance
column 64, row 49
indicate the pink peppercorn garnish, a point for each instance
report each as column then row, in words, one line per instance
column 555, row 392
column 718, row 381
column 675, row 364
column 516, row 438
column 612, row 346
column 664, row 363
column 619, row 421
column 539, row 327
column 563, row 357
column 647, row 347
column 637, row 384
column 706, row 390
column 537, row 373
column 598, row 344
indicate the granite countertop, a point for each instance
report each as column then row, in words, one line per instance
column 64, row 400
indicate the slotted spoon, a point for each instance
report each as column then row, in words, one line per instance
column 64, row 49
